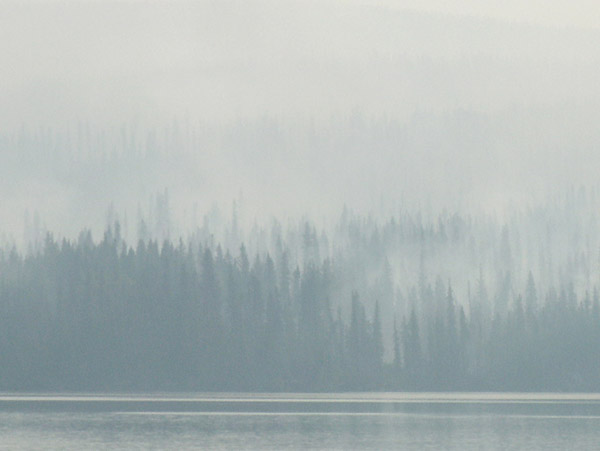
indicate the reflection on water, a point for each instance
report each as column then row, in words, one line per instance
column 324, row 421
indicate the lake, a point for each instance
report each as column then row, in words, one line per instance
column 358, row 421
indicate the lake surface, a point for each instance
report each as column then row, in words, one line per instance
column 354, row 421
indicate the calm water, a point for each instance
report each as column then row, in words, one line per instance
column 325, row 421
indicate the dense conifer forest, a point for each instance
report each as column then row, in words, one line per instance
column 452, row 303
column 445, row 284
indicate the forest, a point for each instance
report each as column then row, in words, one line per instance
column 409, row 303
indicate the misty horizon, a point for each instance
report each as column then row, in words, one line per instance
column 299, row 224
column 369, row 105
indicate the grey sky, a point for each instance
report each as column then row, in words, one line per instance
column 486, row 101
column 111, row 61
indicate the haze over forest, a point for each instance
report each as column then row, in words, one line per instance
column 335, row 103
column 420, row 169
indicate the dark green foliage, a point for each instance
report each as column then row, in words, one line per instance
column 107, row 317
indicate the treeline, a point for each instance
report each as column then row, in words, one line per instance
column 192, row 316
column 103, row 316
